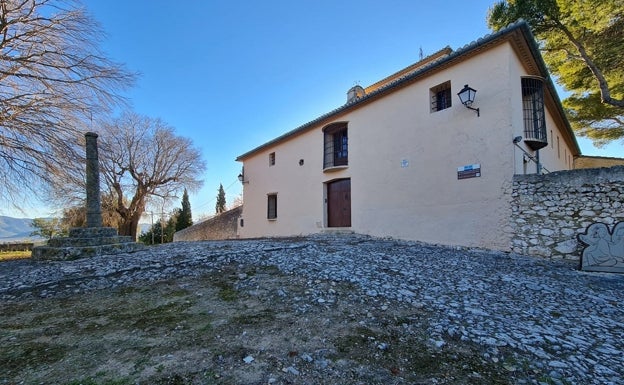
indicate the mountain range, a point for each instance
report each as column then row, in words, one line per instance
column 19, row 229
column 15, row 229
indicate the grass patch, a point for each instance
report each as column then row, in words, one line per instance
column 357, row 342
column 93, row 381
column 265, row 316
column 167, row 315
column 31, row 354
column 412, row 359
column 227, row 291
column 13, row 255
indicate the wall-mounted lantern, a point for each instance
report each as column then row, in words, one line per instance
column 241, row 177
column 467, row 96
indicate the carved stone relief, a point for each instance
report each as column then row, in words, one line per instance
column 605, row 248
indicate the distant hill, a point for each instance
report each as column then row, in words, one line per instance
column 15, row 229
column 19, row 229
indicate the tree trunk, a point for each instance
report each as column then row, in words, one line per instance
column 129, row 226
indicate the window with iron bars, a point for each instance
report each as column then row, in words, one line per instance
column 533, row 112
column 272, row 206
column 336, row 151
column 440, row 96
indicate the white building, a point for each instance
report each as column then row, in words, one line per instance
column 405, row 158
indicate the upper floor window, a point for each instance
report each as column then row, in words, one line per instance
column 272, row 159
column 336, row 151
column 533, row 113
column 440, row 96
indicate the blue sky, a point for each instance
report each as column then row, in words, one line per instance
column 232, row 75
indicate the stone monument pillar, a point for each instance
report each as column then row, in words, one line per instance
column 94, row 211
column 94, row 239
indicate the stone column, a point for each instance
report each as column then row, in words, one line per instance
column 94, row 211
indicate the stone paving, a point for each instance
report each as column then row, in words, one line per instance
column 559, row 320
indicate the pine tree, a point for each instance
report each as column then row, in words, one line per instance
column 220, row 206
column 581, row 42
column 185, row 218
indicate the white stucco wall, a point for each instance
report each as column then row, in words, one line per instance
column 403, row 162
column 299, row 188
column 426, row 201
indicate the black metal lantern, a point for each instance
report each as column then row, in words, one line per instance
column 467, row 96
column 241, row 177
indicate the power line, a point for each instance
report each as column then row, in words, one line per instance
column 214, row 200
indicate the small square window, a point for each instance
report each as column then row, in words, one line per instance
column 272, row 206
column 272, row 159
column 440, row 96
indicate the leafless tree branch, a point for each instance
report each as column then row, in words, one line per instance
column 54, row 80
column 141, row 157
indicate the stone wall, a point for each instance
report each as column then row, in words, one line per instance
column 16, row 246
column 222, row 226
column 548, row 211
column 596, row 162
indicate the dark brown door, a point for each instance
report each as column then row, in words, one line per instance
column 339, row 203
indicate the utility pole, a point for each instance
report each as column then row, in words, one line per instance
column 152, row 228
column 162, row 222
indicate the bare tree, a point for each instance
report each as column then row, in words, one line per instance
column 142, row 158
column 238, row 201
column 75, row 212
column 53, row 80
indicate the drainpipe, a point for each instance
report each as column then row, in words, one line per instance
column 538, row 164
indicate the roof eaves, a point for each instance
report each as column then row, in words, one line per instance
column 296, row 131
column 399, row 82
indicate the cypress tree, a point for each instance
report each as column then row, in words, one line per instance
column 220, row 206
column 184, row 218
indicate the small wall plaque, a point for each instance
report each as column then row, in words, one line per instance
column 469, row 171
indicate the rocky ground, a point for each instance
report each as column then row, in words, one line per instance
column 328, row 309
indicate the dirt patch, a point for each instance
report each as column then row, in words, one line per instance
column 240, row 325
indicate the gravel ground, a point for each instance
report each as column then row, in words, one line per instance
column 545, row 319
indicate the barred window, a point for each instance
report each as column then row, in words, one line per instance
column 440, row 96
column 336, row 152
column 272, row 206
column 533, row 112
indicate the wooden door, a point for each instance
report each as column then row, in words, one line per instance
column 339, row 203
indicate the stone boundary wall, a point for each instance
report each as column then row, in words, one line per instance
column 548, row 211
column 597, row 161
column 222, row 226
column 16, row 246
